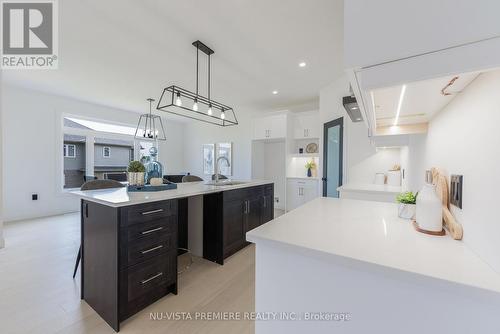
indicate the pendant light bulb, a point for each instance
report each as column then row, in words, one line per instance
column 178, row 101
column 195, row 105
column 222, row 114
column 209, row 111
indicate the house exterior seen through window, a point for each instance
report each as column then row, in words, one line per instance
column 69, row 150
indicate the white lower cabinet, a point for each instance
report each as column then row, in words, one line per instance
column 300, row 191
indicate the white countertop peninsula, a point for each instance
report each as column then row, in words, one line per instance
column 118, row 197
column 343, row 255
column 370, row 192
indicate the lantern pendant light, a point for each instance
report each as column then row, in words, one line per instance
column 175, row 100
column 150, row 126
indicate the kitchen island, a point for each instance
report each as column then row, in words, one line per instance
column 359, row 264
column 130, row 240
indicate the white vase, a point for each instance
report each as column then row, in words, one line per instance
column 136, row 179
column 406, row 211
column 429, row 213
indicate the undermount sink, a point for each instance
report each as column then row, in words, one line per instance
column 226, row 183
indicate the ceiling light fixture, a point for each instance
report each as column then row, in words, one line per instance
column 150, row 126
column 302, row 64
column 202, row 107
column 400, row 102
column 178, row 101
column 275, row 92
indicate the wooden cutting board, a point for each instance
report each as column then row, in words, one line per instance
column 441, row 183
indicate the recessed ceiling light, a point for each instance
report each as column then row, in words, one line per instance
column 302, row 64
column 275, row 92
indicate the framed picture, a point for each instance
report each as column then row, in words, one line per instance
column 208, row 159
column 226, row 150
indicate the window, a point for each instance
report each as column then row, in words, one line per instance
column 69, row 150
column 106, row 150
column 83, row 139
column 74, row 161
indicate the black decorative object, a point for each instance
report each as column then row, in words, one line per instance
column 150, row 126
column 148, row 187
column 174, row 99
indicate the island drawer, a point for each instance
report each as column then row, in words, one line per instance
column 146, row 282
column 151, row 229
column 147, row 212
column 147, row 248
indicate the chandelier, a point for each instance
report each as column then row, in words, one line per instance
column 150, row 126
column 182, row 102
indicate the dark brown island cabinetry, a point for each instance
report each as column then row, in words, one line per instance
column 130, row 252
column 129, row 257
column 230, row 214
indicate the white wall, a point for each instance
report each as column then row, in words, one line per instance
column 381, row 161
column 197, row 133
column 31, row 145
column 463, row 139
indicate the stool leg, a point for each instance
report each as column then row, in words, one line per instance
column 78, row 257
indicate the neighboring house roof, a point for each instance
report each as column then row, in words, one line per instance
column 98, row 141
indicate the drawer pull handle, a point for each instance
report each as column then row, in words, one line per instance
column 151, row 278
column 153, row 230
column 151, row 249
column 151, row 212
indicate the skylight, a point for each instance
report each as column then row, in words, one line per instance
column 99, row 126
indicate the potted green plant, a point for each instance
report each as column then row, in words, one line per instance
column 310, row 166
column 136, row 173
column 407, row 207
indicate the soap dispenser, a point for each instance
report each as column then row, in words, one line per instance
column 429, row 212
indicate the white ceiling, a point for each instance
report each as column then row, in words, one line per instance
column 422, row 99
column 119, row 52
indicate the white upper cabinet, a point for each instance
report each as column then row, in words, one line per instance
column 306, row 125
column 270, row 127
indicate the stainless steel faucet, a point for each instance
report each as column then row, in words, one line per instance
column 217, row 167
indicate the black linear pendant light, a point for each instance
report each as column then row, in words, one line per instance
column 182, row 102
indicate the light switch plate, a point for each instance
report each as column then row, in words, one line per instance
column 456, row 188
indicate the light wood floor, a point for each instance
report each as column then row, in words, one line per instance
column 38, row 294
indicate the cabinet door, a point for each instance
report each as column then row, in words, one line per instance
column 292, row 195
column 234, row 226
column 309, row 192
column 306, row 126
column 260, row 129
column 254, row 213
column 267, row 208
column 277, row 126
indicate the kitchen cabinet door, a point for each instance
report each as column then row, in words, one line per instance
column 292, row 195
column 267, row 208
column 306, row 126
column 309, row 192
column 234, row 226
column 254, row 211
column 270, row 127
column 260, row 129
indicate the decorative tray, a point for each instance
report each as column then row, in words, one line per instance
column 148, row 187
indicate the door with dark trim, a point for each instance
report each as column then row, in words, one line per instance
column 333, row 135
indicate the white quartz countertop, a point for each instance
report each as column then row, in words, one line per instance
column 118, row 197
column 370, row 188
column 371, row 233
